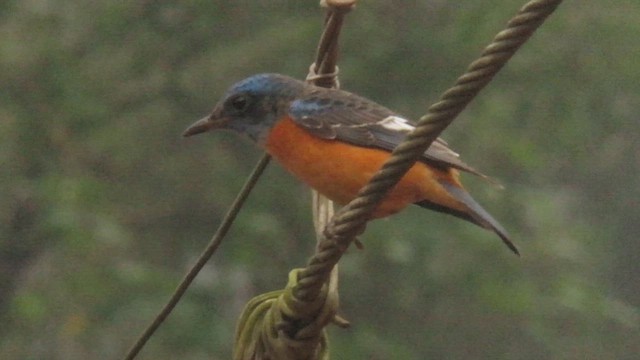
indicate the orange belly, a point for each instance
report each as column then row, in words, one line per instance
column 338, row 170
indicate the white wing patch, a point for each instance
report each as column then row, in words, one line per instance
column 402, row 125
column 396, row 123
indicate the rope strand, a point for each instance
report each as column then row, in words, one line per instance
column 352, row 218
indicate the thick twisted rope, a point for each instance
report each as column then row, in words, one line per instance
column 352, row 219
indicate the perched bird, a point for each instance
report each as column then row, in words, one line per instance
column 335, row 141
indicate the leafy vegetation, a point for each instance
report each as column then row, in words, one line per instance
column 105, row 206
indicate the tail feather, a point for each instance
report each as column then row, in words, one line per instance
column 476, row 213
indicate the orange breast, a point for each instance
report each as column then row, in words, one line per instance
column 338, row 170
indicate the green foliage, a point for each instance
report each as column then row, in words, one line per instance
column 105, row 206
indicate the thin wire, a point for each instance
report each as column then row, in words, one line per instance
column 211, row 248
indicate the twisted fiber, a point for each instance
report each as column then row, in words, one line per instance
column 351, row 219
column 323, row 72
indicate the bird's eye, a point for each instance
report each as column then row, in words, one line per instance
column 239, row 103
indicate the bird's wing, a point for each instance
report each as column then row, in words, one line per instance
column 340, row 115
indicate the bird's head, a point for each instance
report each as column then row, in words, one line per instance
column 251, row 106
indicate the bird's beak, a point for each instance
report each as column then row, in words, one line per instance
column 211, row 122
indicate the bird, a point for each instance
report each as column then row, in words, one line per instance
column 335, row 141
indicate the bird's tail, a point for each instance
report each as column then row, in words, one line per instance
column 475, row 213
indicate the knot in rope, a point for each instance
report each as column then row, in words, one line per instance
column 279, row 325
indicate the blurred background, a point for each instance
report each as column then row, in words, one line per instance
column 105, row 206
